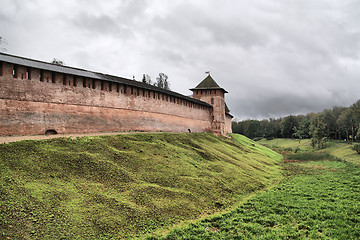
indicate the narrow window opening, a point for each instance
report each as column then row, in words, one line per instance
column 93, row 84
column 132, row 91
column 110, row 86
column 124, row 89
column 212, row 101
column 149, row 93
column 41, row 75
column 1, row 68
column 53, row 77
column 102, row 85
column 84, row 82
column 117, row 87
column 15, row 73
column 64, row 79
column 215, row 91
column 28, row 73
column 74, row 83
column 201, row 92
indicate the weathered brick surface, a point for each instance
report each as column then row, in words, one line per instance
column 216, row 99
column 228, row 128
column 70, row 104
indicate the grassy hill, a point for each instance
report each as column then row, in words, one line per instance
column 340, row 150
column 319, row 199
column 126, row 185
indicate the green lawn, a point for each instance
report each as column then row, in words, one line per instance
column 341, row 150
column 125, row 186
column 318, row 200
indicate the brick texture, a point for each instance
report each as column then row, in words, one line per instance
column 37, row 100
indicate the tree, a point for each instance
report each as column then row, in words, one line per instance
column 2, row 44
column 347, row 123
column 252, row 129
column 57, row 62
column 146, row 79
column 162, row 81
column 287, row 128
column 356, row 117
column 318, row 131
column 270, row 128
column 337, row 111
column 303, row 130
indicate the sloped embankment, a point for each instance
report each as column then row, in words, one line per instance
column 125, row 185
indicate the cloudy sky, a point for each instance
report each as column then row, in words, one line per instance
column 274, row 57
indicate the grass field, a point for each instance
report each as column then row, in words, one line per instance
column 341, row 150
column 319, row 199
column 125, row 186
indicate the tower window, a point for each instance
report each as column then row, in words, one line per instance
column 15, row 73
column 1, row 68
column 41, row 75
column 53, row 77
column 28, row 73
column 212, row 101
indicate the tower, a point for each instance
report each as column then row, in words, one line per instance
column 210, row 92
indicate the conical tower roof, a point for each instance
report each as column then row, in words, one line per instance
column 208, row 83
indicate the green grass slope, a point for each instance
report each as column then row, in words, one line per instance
column 319, row 200
column 127, row 185
column 340, row 150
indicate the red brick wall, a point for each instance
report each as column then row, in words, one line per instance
column 32, row 106
column 228, row 127
column 216, row 99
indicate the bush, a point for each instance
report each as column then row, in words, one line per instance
column 357, row 148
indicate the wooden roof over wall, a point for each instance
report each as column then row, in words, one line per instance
column 208, row 83
column 94, row 75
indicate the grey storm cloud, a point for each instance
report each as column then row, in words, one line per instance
column 274, row 57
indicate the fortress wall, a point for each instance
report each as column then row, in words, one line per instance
column 228, row 126
column 32, row 118
column 36, row 100
column 42, row 89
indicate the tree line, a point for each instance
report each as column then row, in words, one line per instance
column 338, row 123
column 161, row 81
